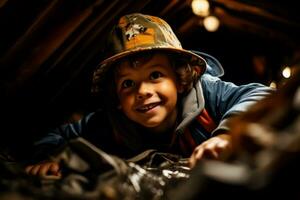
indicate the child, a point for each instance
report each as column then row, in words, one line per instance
column 155, row 94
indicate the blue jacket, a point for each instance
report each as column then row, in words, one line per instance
column 221, row 99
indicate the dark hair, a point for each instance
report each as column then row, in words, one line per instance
column 186, row 74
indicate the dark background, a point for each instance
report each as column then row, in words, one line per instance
column 49, row 49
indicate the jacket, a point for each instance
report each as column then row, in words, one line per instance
column 221, row 99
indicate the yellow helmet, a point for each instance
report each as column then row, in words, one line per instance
column 138, row 32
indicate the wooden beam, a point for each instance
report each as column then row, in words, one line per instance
column 256, row 11
column 252, row 27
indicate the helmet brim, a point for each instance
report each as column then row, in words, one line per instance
column 106, row 64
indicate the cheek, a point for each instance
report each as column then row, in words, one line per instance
column 168, row 87
column 126, row 101
column 168, row 91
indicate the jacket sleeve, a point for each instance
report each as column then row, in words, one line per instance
column 58, row 137
column 225, row 99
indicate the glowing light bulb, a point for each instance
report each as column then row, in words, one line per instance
column 211, row 23
column 273, row 84
column 286, row 72
column 200, row 7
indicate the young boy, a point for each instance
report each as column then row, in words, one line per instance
column 155, row 94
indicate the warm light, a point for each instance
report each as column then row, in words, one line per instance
column 273, row 84
column 200, row 7
column 211, row 23
column 286, row 72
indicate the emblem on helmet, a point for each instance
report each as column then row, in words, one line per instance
column 134, row 29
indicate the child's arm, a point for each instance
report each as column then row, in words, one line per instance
column 225, row 100
column 214, row 148
column 57, row 138
column 44, row 169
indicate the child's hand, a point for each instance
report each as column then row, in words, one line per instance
column 211, row 149
column 44, row 169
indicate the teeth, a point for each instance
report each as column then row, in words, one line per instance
column 147, row 107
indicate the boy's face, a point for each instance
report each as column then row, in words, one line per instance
column 148, row 92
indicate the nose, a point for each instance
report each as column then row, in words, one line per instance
column 144, row 91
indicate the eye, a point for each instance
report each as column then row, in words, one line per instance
column 155, row 75
column 128, row 83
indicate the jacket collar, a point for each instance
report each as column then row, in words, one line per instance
column 192, row 105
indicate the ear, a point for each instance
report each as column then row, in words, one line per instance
column 198, row 70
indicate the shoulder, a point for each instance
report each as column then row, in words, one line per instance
column 207, row 78
column 209, row 82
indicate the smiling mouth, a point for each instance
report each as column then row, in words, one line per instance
column 147, row 107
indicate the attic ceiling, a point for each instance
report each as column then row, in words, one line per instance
column 50, row 47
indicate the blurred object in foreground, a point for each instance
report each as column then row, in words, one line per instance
column 266, row 158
